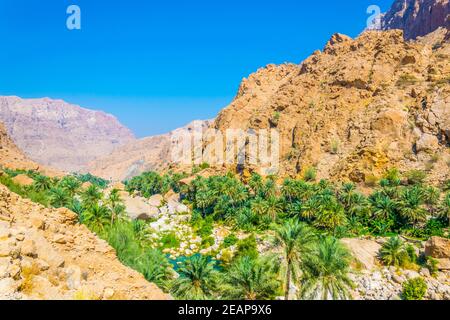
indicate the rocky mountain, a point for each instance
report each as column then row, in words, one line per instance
column 46, row 255
column 11, row 157
column 417, row 17
column 61, row 135
column 356, row 108
column 136, row 157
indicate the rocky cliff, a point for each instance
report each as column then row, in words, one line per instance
column 136, row 157
column 61, row 135
column 356, row 108
column 417, row 17
column 46, row 255
column 13, row 158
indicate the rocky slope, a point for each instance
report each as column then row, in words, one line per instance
column 136, row 157
column 13, row 158
column 417, row 17
column 356, row 108
column 45, row 254
column 61, row 135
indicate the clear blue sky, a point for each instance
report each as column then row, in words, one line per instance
column 157, row 65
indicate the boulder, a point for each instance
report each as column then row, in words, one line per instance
column 23, row 180
column 439, row 249
column 364, row 251
column 427, row 143
column 156, row 200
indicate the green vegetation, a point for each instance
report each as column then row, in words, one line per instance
column 414, row 289
column 99, row 182
column 151, row 183
column 303, row 219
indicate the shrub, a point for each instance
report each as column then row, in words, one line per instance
column 247, row 247
column 406, row 79
column 414, row 289
column 416, row 177
column 170, row 240
column 432, row 265
column 371, row 180
column 229, row 241
column 310, row 174
column 334, row 146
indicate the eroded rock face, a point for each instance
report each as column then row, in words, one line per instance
column 381, row 101
column 417, row 17
column 61, row 135
column 136, row 157
column 11, row 157
column 45, row 254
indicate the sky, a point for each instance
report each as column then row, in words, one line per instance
column 157, row 65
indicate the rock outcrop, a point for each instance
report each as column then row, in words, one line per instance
column 61, row 135
column 417, row 17
column 439, row 249
column 46, row 254
column 136, row 157
column 356, row 109
column 11, row 157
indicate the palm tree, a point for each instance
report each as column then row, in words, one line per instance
column 393, row 252
column 97, row 217
column 256, row 184
column 42, row 183
column 115, row 205
column 91, row 196
column 383, row 207
column 59, row 197
column 325, row 272
column 71, row 184
column 273, row 207
column 250, row 279
column 198, row 279
column 411, row 202
column 258, row 206
column 445, row 208
column 330, row 216
column 296, row 239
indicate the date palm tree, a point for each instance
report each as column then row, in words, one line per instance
column 326, row 272
column 296, row 238
column 445, row 208
column 71, row 185
column 273, row 207
column 42, row 183
column 198, row 279
column 250, row 279
column 59, row 197
column 411, row 205
column 393, row 252
column 382, row 206
column 91, row 196
column 97, row 217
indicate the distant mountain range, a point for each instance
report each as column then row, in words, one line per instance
column 59, row 134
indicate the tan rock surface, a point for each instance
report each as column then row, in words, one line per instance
column 364, row 251
column 136, row 157
column 58, row 258
column 12, row 157
column 417, row 17
column 380, row 100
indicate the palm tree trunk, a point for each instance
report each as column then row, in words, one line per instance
column 288, row 281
